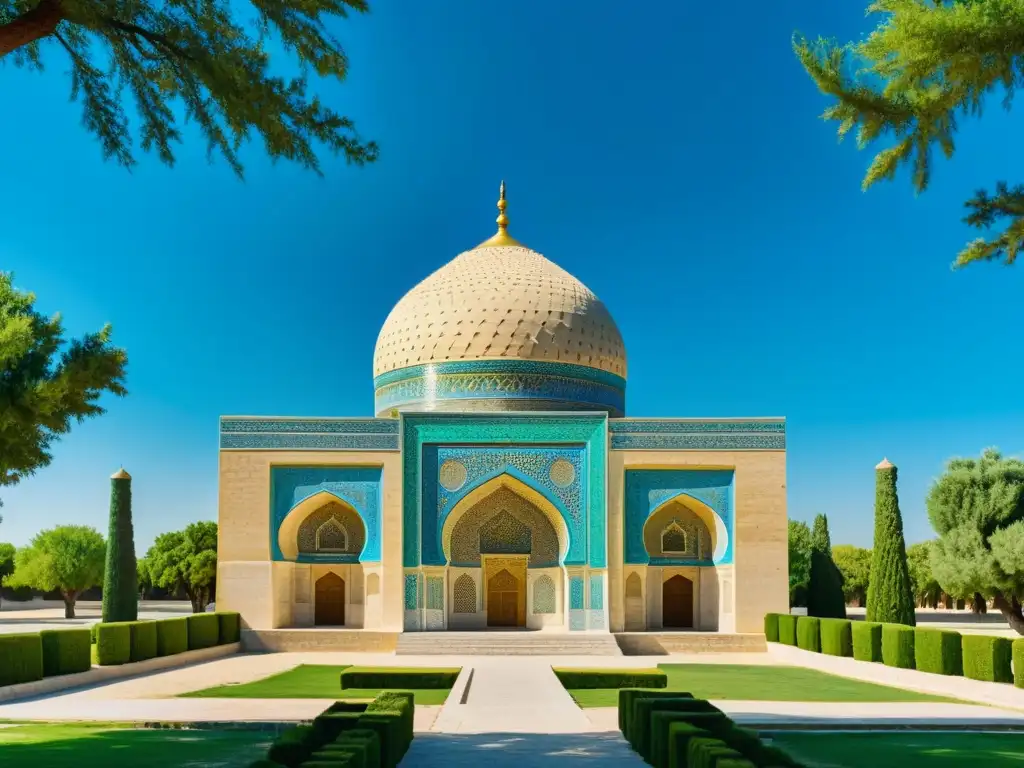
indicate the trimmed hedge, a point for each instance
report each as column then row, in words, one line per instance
column 898, row 646
column 808, row 633
column 771, row 627
column 713, row 723
column 390, row 715
column 837, row 637
column 203, row 630
column 65, row 651
column 171, row 636
column 787, row 629
column 1018, row 662
column 361, row 747
column 580, row 679
column 988, row 658
column 705, row 752
column 938, row 651
column 867, row 640
column 293, row 746
column 113, row 643
column 144, row 641
column 629, row 695
column 441, row 678
column 643, row 712
column 229, row 627
column 92, row 634
column 21, row 658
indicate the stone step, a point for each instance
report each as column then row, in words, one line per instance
column 505, row 644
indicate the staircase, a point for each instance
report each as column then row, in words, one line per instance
column 506, row 644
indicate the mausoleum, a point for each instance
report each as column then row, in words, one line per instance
column 501, row 483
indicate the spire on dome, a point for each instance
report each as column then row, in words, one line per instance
column 502, row 236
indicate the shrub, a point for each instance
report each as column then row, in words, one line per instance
column 65, row 651
column 808, row 633
column 679, row 735
column 330, row 725
column 92, row 634
column 293, row 746
column 21, row 658
column 898, row 646
column 643, row 709
column 708, row 723
column 771, row 627
column 230, row 627
column 144, row 642
column 629, row 695
column 171, row 636
column 390, row 715
column 787, row 629
column 709, row 752
column 576, row 679
column 987, row 658
column 360, row 747
column 890, row 598
column 867, row 640
column 938, row 651
column 837, row 637
column 397, row 677
column 203, row 630
column 1018, row 662
column 113, row 643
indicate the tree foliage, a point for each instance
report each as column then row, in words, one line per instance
column 69, row 558
column 926, row 589
column 46, row 382
column 208, row 62
column 825, row 589
column 928, row 64
column 889, row 594
column 977, row 508
column 6, row 561
column 854, row 563
column 120, row 580
column 799, row 561
column 186, row 560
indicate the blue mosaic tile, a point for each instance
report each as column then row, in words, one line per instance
column 596, row 592
column 229, row 424
column 576, row 593
column 359, row 487
column 412, row 590
column 697, row 434
column 679, row 426
column 307, row 442
column 435, row 593
column 697, row 442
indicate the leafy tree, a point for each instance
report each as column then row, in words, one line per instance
column 6, row 561
column 923, row 584
column 825, row 589
column 68, row 557
column 908, row 81
column 799, row 560
column 889, row 597
column 120, row 580
column 206, row 62
column 977, row 508
column 854, row 563
column 186, row 560
column 145, row 582
column 46, row 382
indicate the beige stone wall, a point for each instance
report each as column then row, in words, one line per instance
column 758, row 582
column 263, row 592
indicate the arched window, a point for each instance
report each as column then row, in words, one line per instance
column 464, row 594
column 673, row 540
column 331, row 536
column 544, row 595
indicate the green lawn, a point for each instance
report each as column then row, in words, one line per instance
column 307, row 681
column 111, row 746
column 903, row 750
column 759, row 683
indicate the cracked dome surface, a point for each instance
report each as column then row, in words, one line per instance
column 500, row 302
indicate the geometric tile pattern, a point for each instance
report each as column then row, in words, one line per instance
column 698, row 434
column 412, row 589
column 544, row 595
column 504, row 523
column 339, row 520
column 319, row 434
column 464, row 594
column 435, row 593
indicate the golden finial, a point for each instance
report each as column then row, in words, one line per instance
column 502, row 236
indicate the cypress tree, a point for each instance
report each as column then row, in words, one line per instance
column 890, row 598
column 825, row 591
column 120, row 579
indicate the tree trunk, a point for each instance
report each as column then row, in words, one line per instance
column 69, row 604
column 978, row 604
column 196, row 598
column 34, row 24
column 1011, row 609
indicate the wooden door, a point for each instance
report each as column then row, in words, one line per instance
column 677, row 603
column 503, row 600
column 329, row 605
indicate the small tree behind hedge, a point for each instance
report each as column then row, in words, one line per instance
column 890, row 599
column 825, row 592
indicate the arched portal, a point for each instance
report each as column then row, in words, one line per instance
column 506, row 598
column 329, row 601
column 322, row 527
column 677, row 603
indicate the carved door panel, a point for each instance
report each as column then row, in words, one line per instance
column 677, row 603
column 503, row 600
column 329, row 606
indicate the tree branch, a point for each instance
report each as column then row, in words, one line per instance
column 34, row 24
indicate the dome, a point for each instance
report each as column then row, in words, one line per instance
column 500, row 327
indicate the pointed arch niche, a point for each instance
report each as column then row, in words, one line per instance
column 323, row 527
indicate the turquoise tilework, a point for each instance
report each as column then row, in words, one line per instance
column 257, row 433
column 531, row 465
column 576, row 593
column 574, row 386
column 648, row 489
column 435, row 593
column 412, row 591
column 596, row 592
column 512, row 430
column 358, row 487
column 698, row 434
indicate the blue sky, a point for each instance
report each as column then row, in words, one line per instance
column 669, row 155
